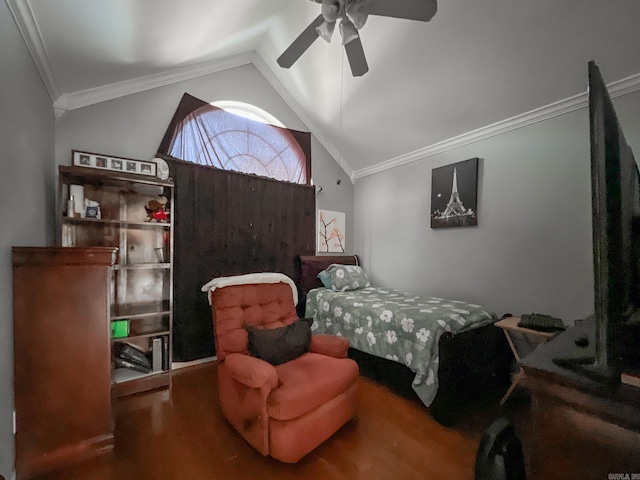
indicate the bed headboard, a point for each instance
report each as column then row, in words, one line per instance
column 307, row 268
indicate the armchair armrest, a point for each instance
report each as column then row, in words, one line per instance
column 331, row 345
column 251, row 371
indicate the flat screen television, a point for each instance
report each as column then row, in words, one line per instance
column 615, row 193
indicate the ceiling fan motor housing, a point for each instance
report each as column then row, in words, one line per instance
column 355, row 10
column 332, row 10
column 353, row 15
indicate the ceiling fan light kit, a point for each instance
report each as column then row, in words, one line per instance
column 358, row 11
column 353, row 15
column 325, row 30
column 348, row 31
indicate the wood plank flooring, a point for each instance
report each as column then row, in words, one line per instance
column 184, row 436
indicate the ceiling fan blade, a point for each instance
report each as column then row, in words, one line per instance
column 300, row 44
column 357, row 60
column 422, row 10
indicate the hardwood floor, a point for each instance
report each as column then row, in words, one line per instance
column 186, row 437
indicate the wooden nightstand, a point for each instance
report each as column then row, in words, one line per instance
column 522, row 341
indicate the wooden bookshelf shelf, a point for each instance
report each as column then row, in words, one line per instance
column 132, row 382
column 121, row 223
column 139, row 336
column 122, row 375
column 79, row 175
column 127, row 311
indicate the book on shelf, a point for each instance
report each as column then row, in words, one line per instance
column 165, row 352
column 156, row 353
column 631, row 378
column 131, row 353
column 121, row 363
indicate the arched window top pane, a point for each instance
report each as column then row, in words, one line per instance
column 241, row 137
column 249, row 111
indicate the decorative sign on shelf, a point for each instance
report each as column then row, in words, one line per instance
column 105, row 162
column 331, row 228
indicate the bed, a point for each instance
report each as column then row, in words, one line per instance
column 447, row 351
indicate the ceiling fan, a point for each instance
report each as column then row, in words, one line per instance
column 353, row 15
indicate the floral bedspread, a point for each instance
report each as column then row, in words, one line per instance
column 398, row 326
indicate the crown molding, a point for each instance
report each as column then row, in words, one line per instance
column 23, row 16
column 267, row 72
column 623, row 87
column 616, row 89
column 90, row 96
column 58, row 111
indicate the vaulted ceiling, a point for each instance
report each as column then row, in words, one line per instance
column 477, row 68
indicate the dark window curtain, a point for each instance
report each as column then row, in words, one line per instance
column 229, row 223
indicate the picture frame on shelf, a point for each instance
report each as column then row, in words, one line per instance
column 117, row 164
column 92, row 212
column 101, row 162
column 84, row 159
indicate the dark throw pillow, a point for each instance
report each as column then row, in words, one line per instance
column 279, row 345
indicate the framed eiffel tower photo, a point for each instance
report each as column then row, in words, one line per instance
column 454, row 195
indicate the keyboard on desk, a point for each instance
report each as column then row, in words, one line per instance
column 543, row 323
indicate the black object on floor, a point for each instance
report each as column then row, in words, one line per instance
column 500, row 454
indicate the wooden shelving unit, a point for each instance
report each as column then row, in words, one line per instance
column 141, row 281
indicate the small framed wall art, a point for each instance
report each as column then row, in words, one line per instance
column 105, row 162
column 454, row 195
column 331, row 231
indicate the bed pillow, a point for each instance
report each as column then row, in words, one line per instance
column 325, row 278
column 347, row 277
column 279, row 345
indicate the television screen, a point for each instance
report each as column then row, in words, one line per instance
column 615, row 193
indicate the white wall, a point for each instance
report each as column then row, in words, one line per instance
column 133, row 126
column 26, row 193
column 532, row 248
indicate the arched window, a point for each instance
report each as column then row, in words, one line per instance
column 240, row 137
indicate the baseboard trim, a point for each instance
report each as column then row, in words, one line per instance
column 65, row 455
column 200, row 361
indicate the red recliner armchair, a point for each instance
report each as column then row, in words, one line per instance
column 287, row 410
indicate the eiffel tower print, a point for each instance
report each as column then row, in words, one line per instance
column 454, row 207
column 447, row 179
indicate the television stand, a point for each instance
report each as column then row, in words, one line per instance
column 588, row 367
column 580, row 427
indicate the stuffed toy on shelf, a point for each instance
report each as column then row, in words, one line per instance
column 157, row 210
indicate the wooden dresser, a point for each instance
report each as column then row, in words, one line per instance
column 62, row 356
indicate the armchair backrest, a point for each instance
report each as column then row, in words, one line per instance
column 267, row 305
